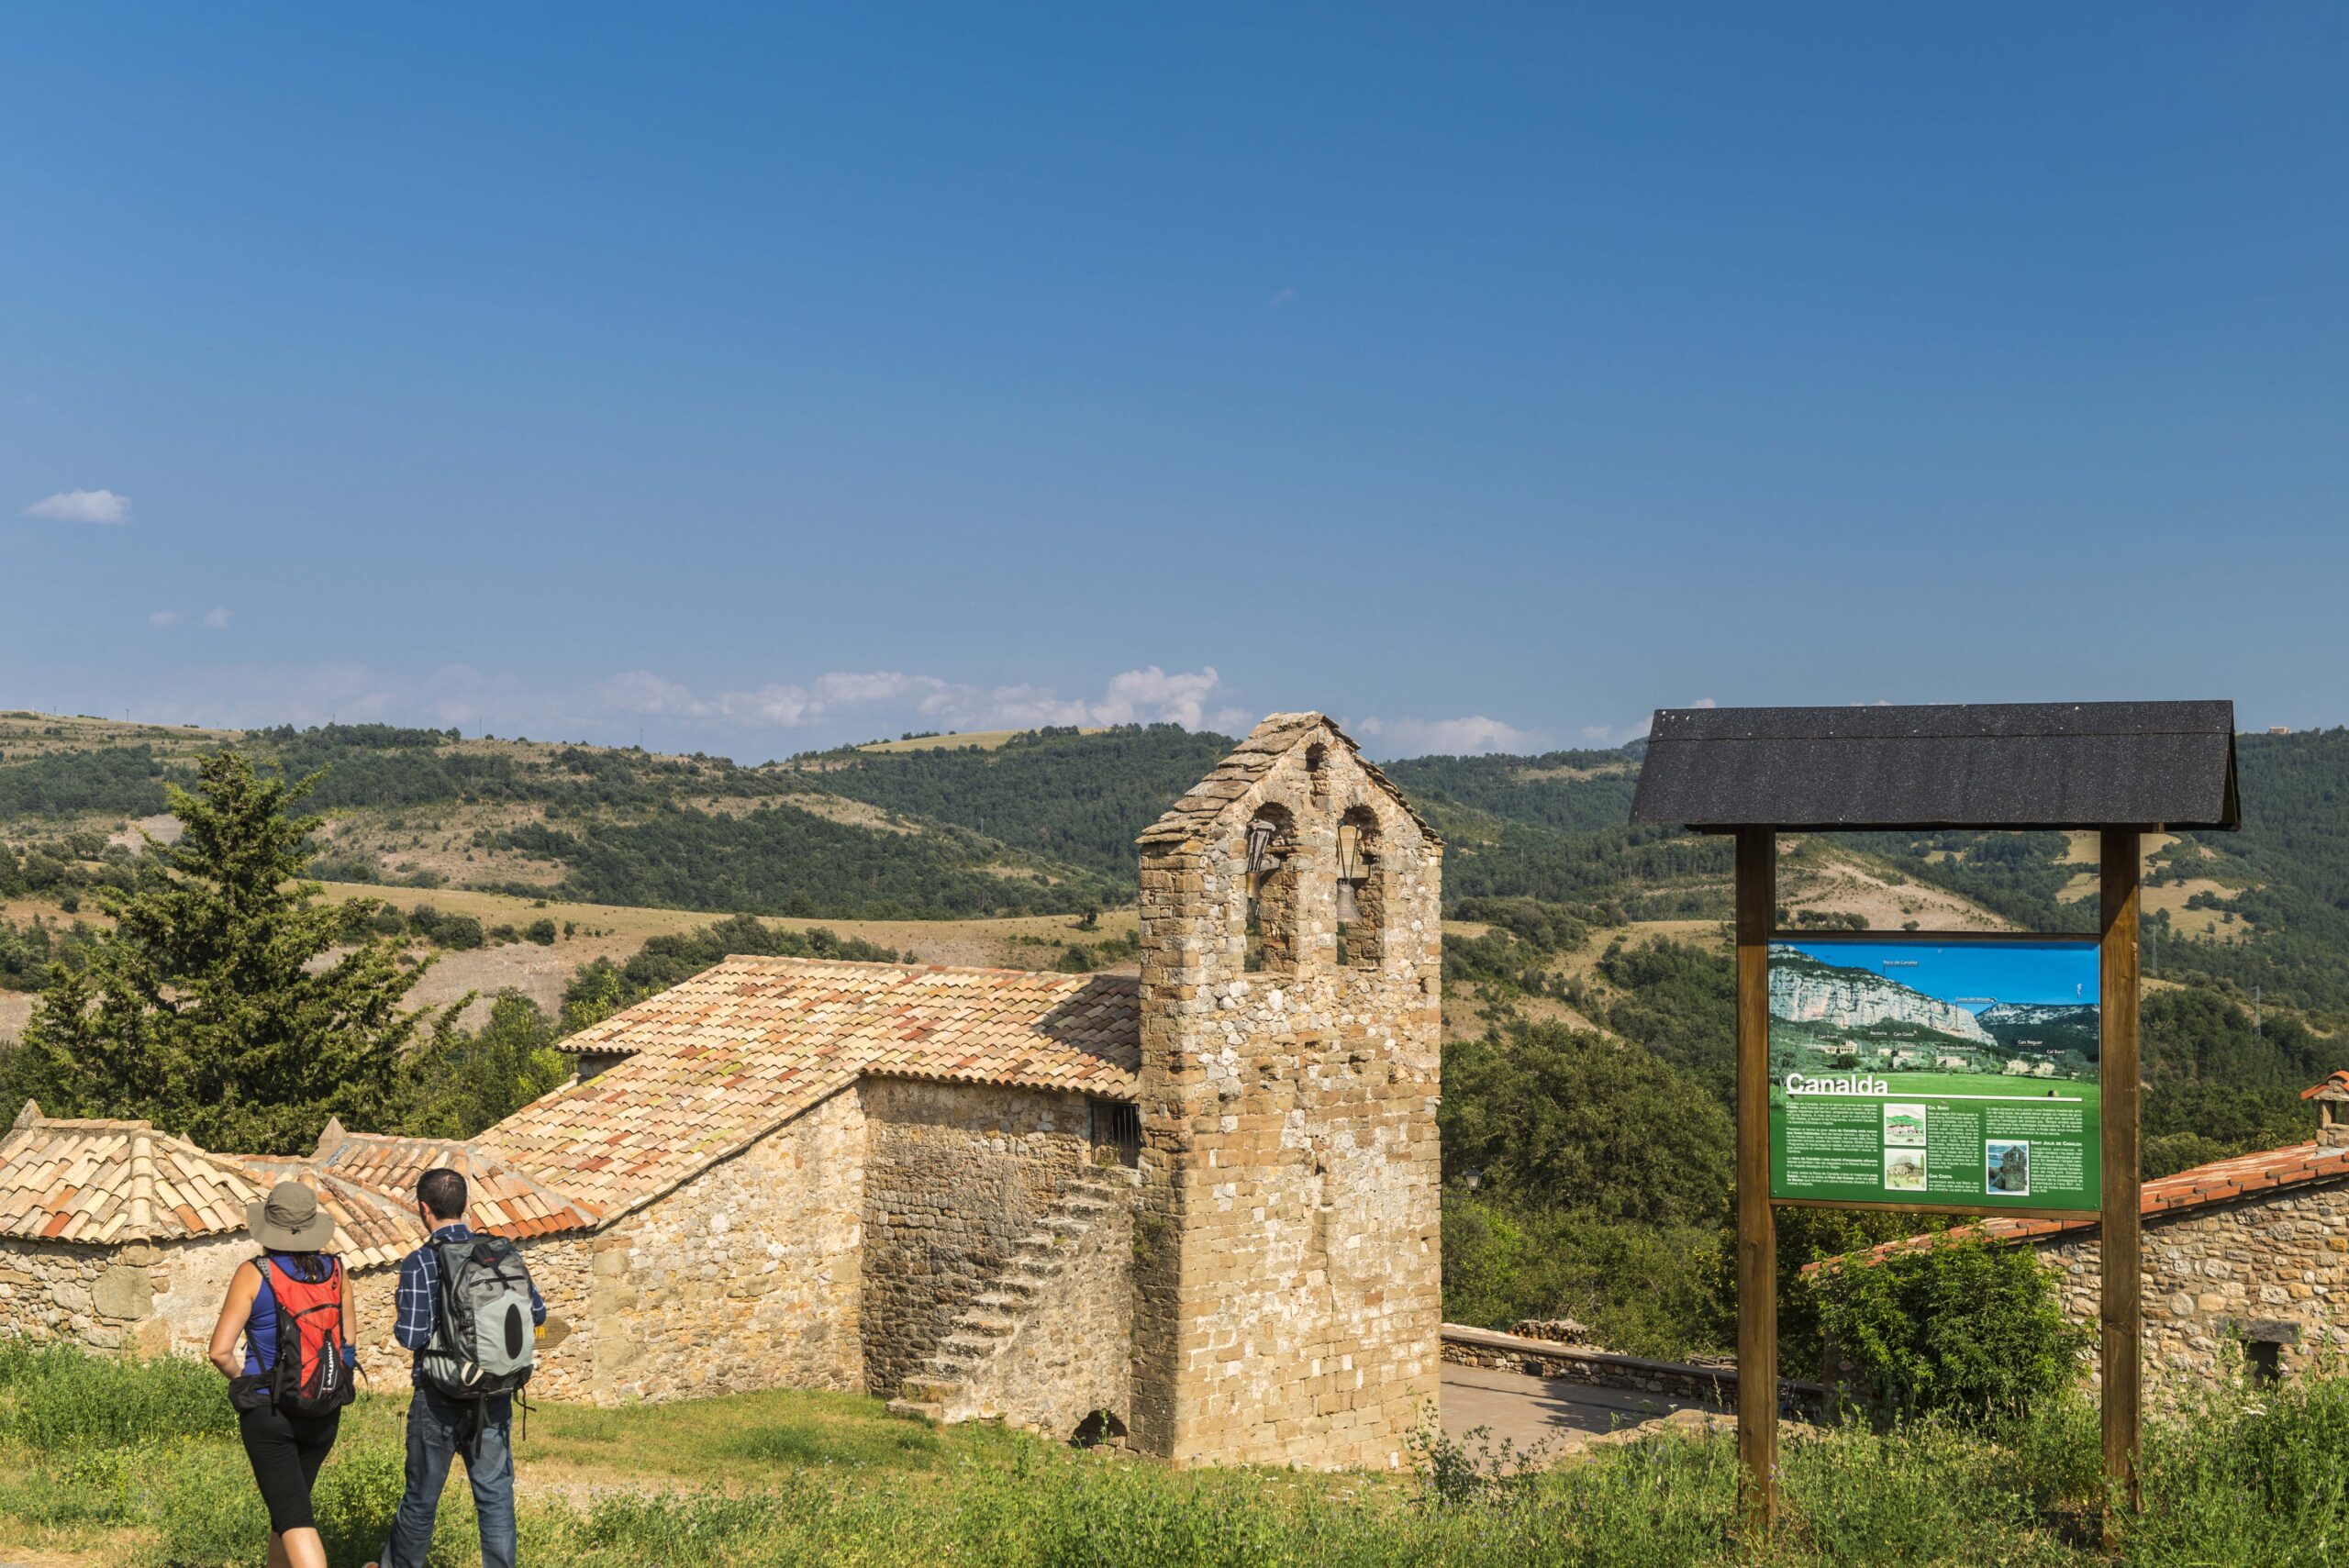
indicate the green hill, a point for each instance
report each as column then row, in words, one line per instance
column 1044, row 822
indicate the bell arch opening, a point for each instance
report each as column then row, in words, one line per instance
column 1362, row 891
column 1269, row 934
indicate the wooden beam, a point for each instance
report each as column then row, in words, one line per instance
column 2122, row 1347
column 1757, row 1237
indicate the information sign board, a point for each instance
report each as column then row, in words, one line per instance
column 1935, row 1069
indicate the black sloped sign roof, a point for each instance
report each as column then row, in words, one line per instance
column 1958, row 765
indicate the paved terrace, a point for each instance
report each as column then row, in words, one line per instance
column 1529, row 1411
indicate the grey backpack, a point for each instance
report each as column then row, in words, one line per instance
column 485, row 1342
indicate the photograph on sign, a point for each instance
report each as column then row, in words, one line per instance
column 1935, row 1070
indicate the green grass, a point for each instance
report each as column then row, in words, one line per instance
column 740, row 1438
column 791, row 1479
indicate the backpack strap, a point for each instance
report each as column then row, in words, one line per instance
column 449, row 1256
column 286, row 1329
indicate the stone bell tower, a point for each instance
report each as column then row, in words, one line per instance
column 1288, row 1298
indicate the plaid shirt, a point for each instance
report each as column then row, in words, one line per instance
column 419, row 1295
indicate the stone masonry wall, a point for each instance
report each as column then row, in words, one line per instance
column 745, row 1277
column 957, row 1174
column 1288, row 1303
column 2274, row 1267
column 1071, row 1353
column 162, row 1299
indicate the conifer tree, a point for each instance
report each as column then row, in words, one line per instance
column 218, row 1009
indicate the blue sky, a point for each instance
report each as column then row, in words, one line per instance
column 755, row 379
column 1973, row 976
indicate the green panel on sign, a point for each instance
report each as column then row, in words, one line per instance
column 1935, row 1070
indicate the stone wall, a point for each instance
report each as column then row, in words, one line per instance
column 745, row 1277
column 2272, row 1267
column 1288, row 1287
column 1069, row 1351
column 93, row 1295
column 162, row 1299
column 956, row 1175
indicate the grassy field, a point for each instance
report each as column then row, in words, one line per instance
column 984, row 740
column 617, row 932
column 105, row 1464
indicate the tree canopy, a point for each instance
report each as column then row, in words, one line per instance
column 218, row 1007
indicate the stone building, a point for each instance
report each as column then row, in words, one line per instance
column 1290, row 1303
column 1197, row 1211
column 2246, row 1261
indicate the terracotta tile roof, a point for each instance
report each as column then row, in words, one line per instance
column 719, row 1061
column 108, row 1183
column 2302, row 1164
column 2335, row 1087
column 505, row 1201
column 112, row 1182
column 741, row 1047
column 371, row 1230
column 1198, row 812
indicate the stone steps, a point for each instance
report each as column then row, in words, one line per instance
column 940, row 1388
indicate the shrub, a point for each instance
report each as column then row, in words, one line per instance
column 55, row 1396
column 1963, row 1326
column 461, row 932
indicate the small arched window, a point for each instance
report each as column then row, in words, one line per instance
column 1272, row 883
column 1362, row 891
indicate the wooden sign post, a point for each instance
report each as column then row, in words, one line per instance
column 1756, row 772
column 1757, row 1228
column 2121, row 1296
column 2121, row 1360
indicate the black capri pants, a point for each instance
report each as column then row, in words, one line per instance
column 286, row 1451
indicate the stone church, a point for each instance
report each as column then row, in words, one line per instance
column 1196, row 1212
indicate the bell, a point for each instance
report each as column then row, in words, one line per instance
column 1348, row 910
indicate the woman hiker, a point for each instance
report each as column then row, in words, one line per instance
column 289, row 1386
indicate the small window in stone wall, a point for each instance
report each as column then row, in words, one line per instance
column 1117, row 1133
column 2263, row 1340
column 1361, row 891
column 1271, row 871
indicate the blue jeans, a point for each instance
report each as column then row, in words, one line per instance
column 435, row 1426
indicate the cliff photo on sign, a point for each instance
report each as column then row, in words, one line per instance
column 1935, row 1070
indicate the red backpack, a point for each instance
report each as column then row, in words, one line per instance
column 309, row 1377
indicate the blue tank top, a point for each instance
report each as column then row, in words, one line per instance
column 260, row 1328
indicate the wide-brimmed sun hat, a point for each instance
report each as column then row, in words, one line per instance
column 290, row 1220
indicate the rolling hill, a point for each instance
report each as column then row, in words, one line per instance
column 990, row 847
column 1042, row 823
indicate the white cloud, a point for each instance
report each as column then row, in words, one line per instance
column 83, row 507
column 1704, row 702
column 1596, row 732
column 1133, row 696
column 243, row 696
column 162, row 617
column 753, row 722
column 1447, row 736
column 1284, row 297
column 218, row 617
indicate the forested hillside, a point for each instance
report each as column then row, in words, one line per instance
column 1045, row 822
column 430, row 808
column 1076, row 798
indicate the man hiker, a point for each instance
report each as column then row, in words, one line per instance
column 461, row 1303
